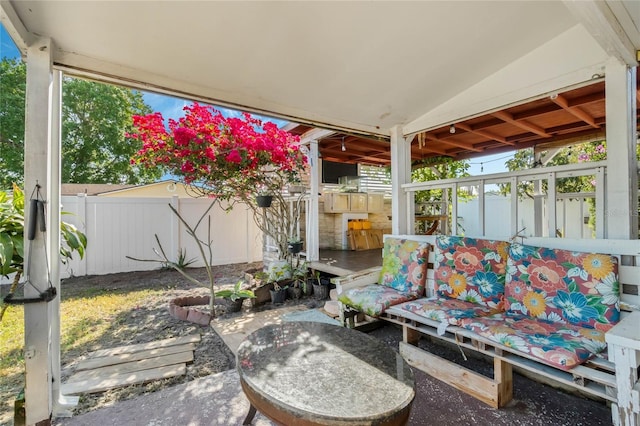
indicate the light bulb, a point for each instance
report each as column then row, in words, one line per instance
column 452, row 129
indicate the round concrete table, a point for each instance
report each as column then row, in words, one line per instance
column 309, row 373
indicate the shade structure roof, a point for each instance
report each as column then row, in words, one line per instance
column 361, row 68
column 558, row 119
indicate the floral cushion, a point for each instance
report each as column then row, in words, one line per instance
column 561, row 286
column 560, row 345
column 404, row 266
column 373, row 299
column 470, row 269
column 446, row 310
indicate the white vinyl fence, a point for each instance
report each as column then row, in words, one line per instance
column 572, row 215
column 120, row 227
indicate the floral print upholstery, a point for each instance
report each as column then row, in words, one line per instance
column 446, row 310
column 373, row 299
column 561, row 286
column 470, row 269
column 404, row 266
column 557, row 344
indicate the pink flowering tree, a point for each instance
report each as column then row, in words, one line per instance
column 230, row 160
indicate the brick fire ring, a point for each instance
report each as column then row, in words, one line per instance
column 181, row 308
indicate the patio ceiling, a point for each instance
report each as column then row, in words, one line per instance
column 559, row 119
column 359, row 67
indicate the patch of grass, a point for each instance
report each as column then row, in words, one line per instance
column 83, row 321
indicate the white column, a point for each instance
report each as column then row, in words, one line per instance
column 400, row 174
column 621, row 216
column 38, row 317
column 61, row 403
column 313, row 221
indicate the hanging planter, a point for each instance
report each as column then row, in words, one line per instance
column 294, row 247
column 264, row 200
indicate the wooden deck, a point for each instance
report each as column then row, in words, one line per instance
column 344, row 262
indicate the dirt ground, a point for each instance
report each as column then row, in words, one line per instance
column 151, row 321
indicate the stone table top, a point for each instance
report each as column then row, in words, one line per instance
column 324, row 373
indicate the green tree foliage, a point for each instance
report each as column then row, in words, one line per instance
column 95, row 119
column 436, row 169
column 12, row 90
column 579, row 153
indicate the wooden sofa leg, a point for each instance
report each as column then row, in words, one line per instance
column 503, row 377
column 409, row 335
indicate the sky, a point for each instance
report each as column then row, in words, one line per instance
column 171, row 107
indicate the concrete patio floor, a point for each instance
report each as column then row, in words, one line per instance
column 218, row 399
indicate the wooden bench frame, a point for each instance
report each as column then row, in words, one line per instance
column 616, row 382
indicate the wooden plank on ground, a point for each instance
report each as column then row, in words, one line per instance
column 461, row 378
column 128, row 367
column 99, row 385
column 173, row 341
column 90, row 363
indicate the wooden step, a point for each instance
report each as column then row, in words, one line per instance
column 91, row 363
column 173, row 341
column 113, row 371
column 101, row 384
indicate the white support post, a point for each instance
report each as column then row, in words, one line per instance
column 481, row 208
column 601, row 216
column 454, row 210
column 622, row 180
column 38, row 317
column 514, row 206
column 552, row 219
column 400, row 174
column 313, row 218
column 62, row 404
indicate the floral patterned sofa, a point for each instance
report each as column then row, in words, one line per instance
column 402, row 278
column 554, row 305
column 548, row 307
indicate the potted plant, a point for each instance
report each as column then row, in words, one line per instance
column 294, row 246
column 279, row 274
column 321, row 286
column 235, row 296
column 299, row 284
column 279, row 292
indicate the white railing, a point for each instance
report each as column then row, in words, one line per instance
column 544, row 209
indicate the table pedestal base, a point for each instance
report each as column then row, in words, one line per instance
column 250, row 415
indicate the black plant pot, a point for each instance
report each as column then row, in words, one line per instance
column 321, row 291
column 278, row 296
column 235, row 305
column 294, row 248
column 264, row 200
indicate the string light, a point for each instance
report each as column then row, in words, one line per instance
column 344, row 148
column 452, row 129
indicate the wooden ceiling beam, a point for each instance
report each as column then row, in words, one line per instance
column 574, row 110
column 523, row 124
column 485, row 133
column 427, row 148
column 454, row 143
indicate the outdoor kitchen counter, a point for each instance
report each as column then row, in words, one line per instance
column 308, row 373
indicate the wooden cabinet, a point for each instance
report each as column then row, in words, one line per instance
column 358, row 203
column 375, row 203
column 353, row 202
column 336, row 202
